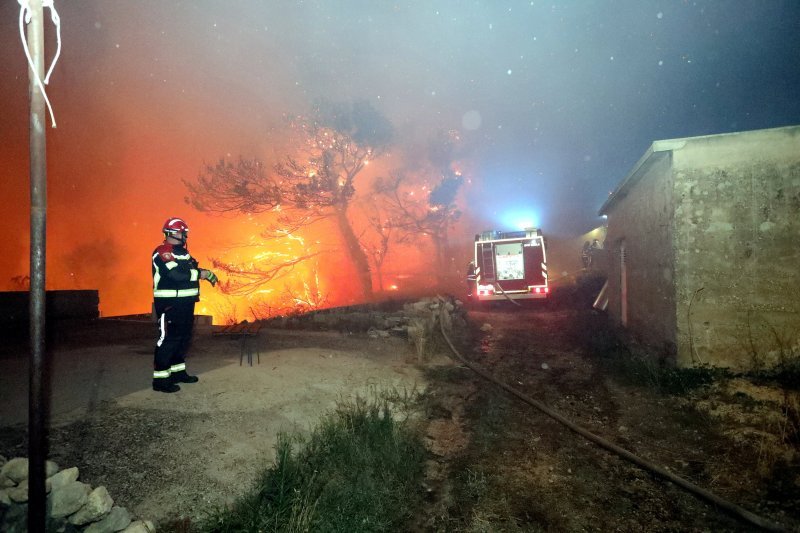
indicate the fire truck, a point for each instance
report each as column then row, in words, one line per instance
column 509, row 265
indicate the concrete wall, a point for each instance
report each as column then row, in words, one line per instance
column 59, row 305
column 737, row 246
column 642, row 219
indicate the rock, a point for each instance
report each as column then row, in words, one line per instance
column 97, row 504
column 399, row 331
column 118, row 518
column 140, row 526
column 545, row 366
column 16, row 469
column 67, row 499
column 420, row 306
column 66, row 476
column 16, row 519
column 394, row 321
column 72, row 505
column 19, row 494
column 486, row 327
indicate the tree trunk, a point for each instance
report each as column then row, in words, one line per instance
column 356, row 253
column 379, row 275
column 444, row 266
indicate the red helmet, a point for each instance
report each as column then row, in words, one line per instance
column 175, row 225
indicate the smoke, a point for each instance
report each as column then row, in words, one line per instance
column 553, row 103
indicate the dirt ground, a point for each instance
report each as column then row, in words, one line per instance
column 496, row 463
column 512, row 468
column 169, row 457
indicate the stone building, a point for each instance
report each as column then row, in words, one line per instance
column 703, row 246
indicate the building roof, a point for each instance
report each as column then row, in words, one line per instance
column 656, row 153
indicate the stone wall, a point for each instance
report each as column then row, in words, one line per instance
column 710, row 227
column 737, row 253
column 642, row 222
column 416, row 321
column 59, row 305
column 71, row 505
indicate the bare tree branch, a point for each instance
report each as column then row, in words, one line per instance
column 247, row 279
column 242, row 186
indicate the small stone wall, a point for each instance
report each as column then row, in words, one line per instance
column 71, row 505
column 59, row 306
column 83, row 304
column 416, row 321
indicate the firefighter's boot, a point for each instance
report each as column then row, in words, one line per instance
column 182, row 377
column 165, row 385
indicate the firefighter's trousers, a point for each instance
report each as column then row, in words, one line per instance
column 175, row 318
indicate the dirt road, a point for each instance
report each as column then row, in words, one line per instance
column 171, row 456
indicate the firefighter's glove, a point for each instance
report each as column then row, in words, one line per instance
column 209, row 276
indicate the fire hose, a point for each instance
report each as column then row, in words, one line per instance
column 498, row 288
column 507, row 297
column 730, row 507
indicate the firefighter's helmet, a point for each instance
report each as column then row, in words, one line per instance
column 175, row 227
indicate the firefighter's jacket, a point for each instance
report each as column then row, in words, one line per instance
column 175, row 273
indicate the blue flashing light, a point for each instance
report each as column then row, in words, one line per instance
column 519, row 219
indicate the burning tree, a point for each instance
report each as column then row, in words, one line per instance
column 317, row 183
column 377, row 248
column 430, row 214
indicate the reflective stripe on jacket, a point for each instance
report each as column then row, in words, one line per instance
column 175, row 273
column 179, row 293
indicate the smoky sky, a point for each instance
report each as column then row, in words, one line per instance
column 556, row 100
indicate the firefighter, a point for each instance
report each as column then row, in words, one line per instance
column 586, row 255
column 176, row 289
column 472, row 276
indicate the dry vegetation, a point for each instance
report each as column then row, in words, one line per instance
column 736, row 436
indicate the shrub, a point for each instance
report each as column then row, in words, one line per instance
column 360, row 470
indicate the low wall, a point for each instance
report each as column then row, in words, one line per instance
column 59, row 305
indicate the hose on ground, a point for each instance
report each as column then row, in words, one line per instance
column 732, row 508
column 507, row 297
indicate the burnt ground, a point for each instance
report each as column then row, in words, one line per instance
column 509, row 467
column 496, row 463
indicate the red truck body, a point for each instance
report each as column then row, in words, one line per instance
column 510, row 265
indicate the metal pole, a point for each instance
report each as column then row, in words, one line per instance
column 37, row 404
